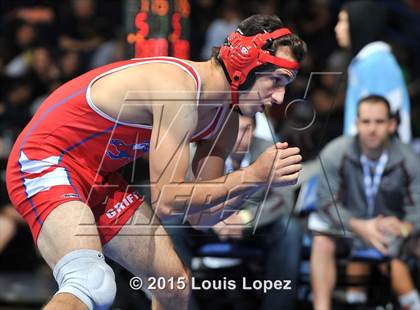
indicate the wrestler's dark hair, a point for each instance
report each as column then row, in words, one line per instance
column 375, row 99
column 259, row 24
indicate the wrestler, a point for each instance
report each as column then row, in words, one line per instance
column 62, row 172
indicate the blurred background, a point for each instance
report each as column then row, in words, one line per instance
column 44, row 43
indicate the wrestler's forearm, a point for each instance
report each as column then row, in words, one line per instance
column 230, row 206
column 209, row 217
column 199, row 196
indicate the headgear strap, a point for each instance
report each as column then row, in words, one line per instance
column 240, row 54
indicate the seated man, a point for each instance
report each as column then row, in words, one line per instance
column 263, row 222
column 372, row 188
column 266, row 212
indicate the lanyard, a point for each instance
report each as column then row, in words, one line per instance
column 372, row 182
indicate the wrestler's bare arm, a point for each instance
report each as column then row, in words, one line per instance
column 210, row 156
column 208, row 164
column 173, row 126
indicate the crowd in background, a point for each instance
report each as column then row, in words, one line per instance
column 46, row 43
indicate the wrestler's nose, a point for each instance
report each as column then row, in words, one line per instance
column 278, row 95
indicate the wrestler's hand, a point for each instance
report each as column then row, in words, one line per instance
column 278, row 162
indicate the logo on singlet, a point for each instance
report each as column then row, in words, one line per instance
column 120, row 206
column 118, row 149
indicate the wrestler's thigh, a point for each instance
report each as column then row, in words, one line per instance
column 60, row 233
column 144, row 248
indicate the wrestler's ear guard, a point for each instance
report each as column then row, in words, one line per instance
column 241, row 54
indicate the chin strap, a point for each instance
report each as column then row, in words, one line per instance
column 234, row 95
column 233, row 86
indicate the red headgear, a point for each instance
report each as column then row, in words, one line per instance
column 241, row 54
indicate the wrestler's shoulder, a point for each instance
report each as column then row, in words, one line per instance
column 168, row 76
